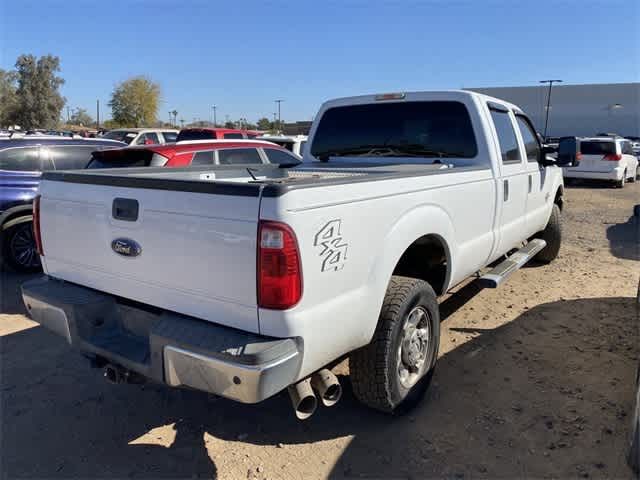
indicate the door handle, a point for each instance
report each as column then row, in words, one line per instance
column 530, row 183
column 506, row 190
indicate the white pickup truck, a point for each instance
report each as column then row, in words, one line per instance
column 244, row 281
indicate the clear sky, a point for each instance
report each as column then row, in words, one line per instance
column 241, row 55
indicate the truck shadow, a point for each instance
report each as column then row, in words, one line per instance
column 624, row 239
column 481, row 416
column 10, row 299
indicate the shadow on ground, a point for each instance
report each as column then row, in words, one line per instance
column 534, row 397
column 10, row 300
column 624, row 239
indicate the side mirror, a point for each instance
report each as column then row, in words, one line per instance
column 568, row 152
column 545, row 159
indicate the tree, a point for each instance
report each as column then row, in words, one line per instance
column 81, row 117
column 264, row 124
column 229, row 124
column 7, row 97
column 134, row 102
column 38, row 102
column 110, row 124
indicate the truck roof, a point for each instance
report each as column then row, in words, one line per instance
column 418, row 96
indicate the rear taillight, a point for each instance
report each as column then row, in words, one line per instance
column 578, row 156
column 279, row 272
column 613, row 157
column 36, row 225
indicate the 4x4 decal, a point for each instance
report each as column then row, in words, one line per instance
column 334, row 248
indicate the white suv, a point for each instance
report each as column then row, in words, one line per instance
column 143, row 136
column 605, row 158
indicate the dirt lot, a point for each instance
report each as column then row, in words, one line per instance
column 534, row 379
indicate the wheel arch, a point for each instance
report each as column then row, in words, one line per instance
column 424, row 225
column 15, row 215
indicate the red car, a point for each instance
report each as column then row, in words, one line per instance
column 216, row 152
column 214, row 134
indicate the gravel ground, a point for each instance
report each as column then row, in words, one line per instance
column 534, row 380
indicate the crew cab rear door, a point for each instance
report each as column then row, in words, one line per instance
column 513, row 179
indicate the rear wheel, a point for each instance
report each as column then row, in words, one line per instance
column 19, row 248
column 552, row 234
column 392, row 372
column 620, row 183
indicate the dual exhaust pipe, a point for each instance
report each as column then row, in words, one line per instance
column 303, row 398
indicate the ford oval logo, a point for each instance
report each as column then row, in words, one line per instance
column 126, row 247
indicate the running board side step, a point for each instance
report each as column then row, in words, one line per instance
column 495, row 277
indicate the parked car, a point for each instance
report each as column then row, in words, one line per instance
column 214, row 134
column 293, row 143
column 142, row 136
column 21, row 163
column 606, row 158
column 244, row 282
column 198, row 152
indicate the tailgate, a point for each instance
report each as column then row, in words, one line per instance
column 191, row 253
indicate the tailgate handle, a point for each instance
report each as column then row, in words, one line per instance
column 125, row 209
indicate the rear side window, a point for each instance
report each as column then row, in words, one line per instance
column 148, row 139
column 169, row 137
column 233, row 135
column 506, row 136
column 281, row 157
column 239, row 156
column 21, row 159
column 71, row 157
column 531, row 145
column 598, row 148
column 120, row 158
column 626, row 148
column 202, row 158
column 195, row 135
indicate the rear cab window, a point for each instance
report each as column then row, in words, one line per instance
column 427, row 129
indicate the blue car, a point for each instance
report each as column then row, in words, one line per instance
column 21, row 162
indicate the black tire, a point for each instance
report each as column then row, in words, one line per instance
column 552, row 234
column 19, row 250
column 620, row 183
column 374, row 368
column 633, row 455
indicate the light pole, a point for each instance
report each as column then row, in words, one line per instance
column 170, row 121
column 215, row 120
column 546, row 119
column 279, row 101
